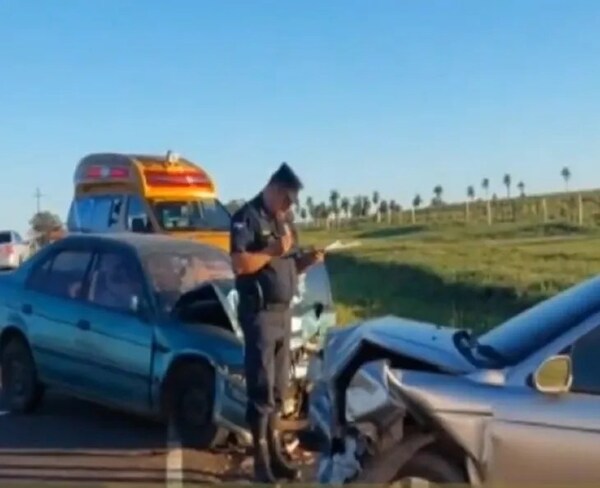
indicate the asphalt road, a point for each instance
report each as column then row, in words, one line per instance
column 70, row 441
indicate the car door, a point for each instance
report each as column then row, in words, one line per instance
column 52, row 307
column 118, row 341
column 548, row 438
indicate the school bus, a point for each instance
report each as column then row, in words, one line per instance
column 144, row 193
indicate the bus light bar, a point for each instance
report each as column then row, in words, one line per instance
column 188, row 179
column 107, row 172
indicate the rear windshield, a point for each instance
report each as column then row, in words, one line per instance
column 5, row 237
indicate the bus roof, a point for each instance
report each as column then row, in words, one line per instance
column 168, row 171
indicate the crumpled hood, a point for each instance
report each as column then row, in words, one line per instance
column 418, row 340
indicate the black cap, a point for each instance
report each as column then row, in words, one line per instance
column 286, row 178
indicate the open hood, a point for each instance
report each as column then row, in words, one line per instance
column 312, row 308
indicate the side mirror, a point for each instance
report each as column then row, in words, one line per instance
column 554, row 375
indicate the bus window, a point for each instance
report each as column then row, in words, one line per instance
column 187, row 215
column 137, row 210
column 95, row 213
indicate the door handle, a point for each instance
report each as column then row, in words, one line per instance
column 83, row 325
column 27, row 309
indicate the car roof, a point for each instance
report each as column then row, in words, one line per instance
column 145, row 244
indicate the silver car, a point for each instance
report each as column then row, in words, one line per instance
column 13, row 249
column 397, row 400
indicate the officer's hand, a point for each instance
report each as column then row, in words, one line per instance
column 286, row 242
column 317, row 256
column 282, row 245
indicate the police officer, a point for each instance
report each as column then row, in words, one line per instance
column 266, row 260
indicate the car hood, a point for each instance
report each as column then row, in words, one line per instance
column 313, row 311
column 421, row 341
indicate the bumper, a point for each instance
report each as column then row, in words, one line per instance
column 11, row 261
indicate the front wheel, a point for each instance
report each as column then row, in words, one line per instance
column 191, row 399
column 426, row 467
column 21, row 388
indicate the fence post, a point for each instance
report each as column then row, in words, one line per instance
column 580, row 208
column 545, row 210
column 489, row 212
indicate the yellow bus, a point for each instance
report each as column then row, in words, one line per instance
column 143, row 193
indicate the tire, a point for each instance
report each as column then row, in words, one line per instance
column 432, row 468
column 21, row 388
column 190, row 404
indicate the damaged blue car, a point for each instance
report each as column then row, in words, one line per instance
column 145, row 324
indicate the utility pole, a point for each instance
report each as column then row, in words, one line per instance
column 38, row 198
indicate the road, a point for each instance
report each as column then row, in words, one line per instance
column 70, row 441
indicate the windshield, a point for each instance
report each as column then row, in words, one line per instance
column 175, row 273
column 522, row 335
column 198, row 214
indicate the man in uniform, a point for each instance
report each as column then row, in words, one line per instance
column 266, row 261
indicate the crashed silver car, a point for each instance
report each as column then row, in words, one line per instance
column 396, row 400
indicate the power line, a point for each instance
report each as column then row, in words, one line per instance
column 38, row 198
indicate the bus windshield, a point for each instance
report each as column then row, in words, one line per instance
column 189, row 215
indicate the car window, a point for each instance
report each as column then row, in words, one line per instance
column 95, row 213
column 5, row 237
column 114, row 281
column 62, row 275
column 18, row 238
column 586, row 363
column 136, row 210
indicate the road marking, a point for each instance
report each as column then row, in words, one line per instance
column 174, row 463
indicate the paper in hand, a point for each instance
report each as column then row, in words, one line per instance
column 338, row 246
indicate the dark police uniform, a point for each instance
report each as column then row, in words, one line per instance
column 264, row 310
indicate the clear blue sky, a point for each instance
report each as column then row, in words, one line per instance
column 395, row 95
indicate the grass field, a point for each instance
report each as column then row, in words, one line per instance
column 469, row 276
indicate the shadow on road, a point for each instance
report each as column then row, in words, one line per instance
column 380, row 288
column 68, row 440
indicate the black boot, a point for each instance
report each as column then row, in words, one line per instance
column 262, row 461
column 281, row 464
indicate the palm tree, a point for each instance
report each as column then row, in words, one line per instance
column 507, row 182
column 471, row 196
column 334, row 198
column 438, row 191
column 384, row 209
column 471, row 192
column 485, row 184
column 394, row 208
column 357, row 206
column 521, row 187
column 566, row 174
column 416, row 203
column 366, row 206
column 345, row 206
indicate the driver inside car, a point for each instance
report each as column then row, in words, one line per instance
column 114, row 284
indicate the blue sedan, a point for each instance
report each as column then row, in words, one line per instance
column 143, row 323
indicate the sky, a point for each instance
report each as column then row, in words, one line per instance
column 395, row 96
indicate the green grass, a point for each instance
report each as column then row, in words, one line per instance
column 467, row 276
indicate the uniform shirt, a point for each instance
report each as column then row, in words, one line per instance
column 253, row 228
